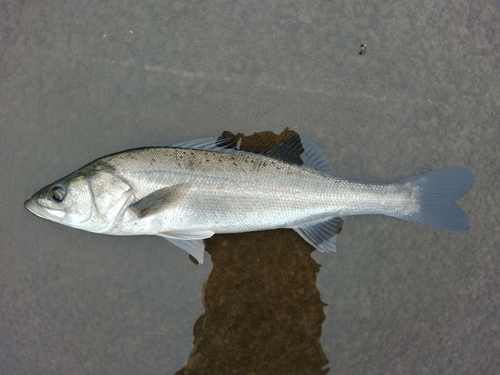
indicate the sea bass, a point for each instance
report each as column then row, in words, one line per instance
column 191, row 190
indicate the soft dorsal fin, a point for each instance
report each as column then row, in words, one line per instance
column 314, row 157
column 289, row 151
column 302, row 150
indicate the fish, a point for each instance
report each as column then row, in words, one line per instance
column 191, row 190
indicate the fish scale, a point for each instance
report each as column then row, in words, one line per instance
column 277, row 195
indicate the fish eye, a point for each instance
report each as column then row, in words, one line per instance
column 57, row 194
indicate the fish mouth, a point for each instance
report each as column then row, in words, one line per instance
column 43, row 212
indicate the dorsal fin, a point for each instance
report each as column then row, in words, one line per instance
column 221, row 143
column 288, row 151
column 314, row 157
column 298, row 150
column 302, row 150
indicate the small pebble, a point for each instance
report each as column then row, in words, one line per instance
column 238, row 65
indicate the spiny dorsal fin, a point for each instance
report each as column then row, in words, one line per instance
column 220, row 143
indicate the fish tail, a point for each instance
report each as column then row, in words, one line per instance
column 438, row 192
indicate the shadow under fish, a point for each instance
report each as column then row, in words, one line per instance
column 263, row 310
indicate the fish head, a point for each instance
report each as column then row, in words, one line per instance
column 92, row 198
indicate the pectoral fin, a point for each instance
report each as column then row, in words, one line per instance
column 159, row 200
column 190, row 241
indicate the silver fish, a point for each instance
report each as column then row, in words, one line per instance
column 191, row 190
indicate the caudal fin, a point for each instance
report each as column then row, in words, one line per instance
column 439, row 191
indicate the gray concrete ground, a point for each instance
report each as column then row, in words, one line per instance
column 79, row 80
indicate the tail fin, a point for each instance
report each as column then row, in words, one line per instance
column 439, row 191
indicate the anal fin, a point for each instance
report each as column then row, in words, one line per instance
column 322, row 235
